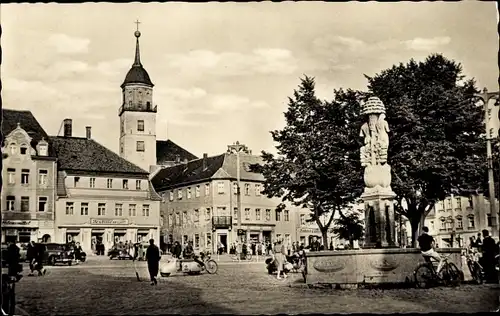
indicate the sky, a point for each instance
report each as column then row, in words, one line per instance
column 223, row 72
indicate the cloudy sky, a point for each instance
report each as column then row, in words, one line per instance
column 222, row 71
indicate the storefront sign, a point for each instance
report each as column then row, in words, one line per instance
column 313, row 230
column 108, row 221
column 19, row 223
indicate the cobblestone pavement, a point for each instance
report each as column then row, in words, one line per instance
column 109, row 287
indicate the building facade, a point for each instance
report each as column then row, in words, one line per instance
column 28, row 190
column 457, row 218
column 101, row 197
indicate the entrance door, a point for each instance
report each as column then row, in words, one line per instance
column 267, row 236
column 223, row 241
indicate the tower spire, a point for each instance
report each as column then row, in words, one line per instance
column 137, row 60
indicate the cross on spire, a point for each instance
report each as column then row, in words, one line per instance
column 137, row 22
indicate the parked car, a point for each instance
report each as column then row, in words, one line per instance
column 120, row 253
column 58, row 253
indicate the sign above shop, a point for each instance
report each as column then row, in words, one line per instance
column 314, row 230
column 19, row 223
column 108, row 221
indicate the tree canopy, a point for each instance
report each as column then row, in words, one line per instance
column 349, row 227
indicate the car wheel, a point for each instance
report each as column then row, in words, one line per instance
column 164, row 275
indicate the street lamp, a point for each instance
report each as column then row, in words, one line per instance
column 237, row 148
column 486, row 96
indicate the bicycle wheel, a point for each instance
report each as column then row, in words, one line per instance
column 248, row 256
column 475, row 271
column 211, row 266
column 424, row 276
column 451, row 274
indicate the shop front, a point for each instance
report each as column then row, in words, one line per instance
column 19, row 231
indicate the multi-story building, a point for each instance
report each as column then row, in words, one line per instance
column 457, row 218
column 200, row 203
column 29, row 168
column 138, row 143
column 101, row 197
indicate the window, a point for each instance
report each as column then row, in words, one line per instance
column 247, row 213
column 69, row 208
column 42, row 176
column 101, row 209
column 489, row 220
column 443, row 223
column 137, row 184
column 448, row 203
column 302, row 219
column 76, row 181
column 145, row 210
column 131, row 210
column 42, row 204
column 441, row 205
column 278, row 236
column 258, row 189
column 140, row 125
column 207, row 189
column 125, row 184
column 257, row 214
column 220, row 187
column 247, row 189
column 13, row 149
column 197, row 191
column 170, row 219
column 25, row 176
column 196, row 241
column 287, row 216
column 459, row 202
column 178, row 219
column 24, row 150
column 110, row 183
column 208, row 213
column 460, row 224
column 268, row 215
column 92, row 182
column 171, row 195
column 196, row 215
column 42, row 150
column 84, row 209
column 471, row 223
column 188, row 193
column 25, row 204
column 235, row 211
column 184, row 218
column 118, row 209
column 235, row 188
column 140, row 145
column 208, row 240
column 278, row 215
column 11, row 175
column 179, row 194
column 471, row 202
column 11, row 203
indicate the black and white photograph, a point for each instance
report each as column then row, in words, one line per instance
column 250, row 158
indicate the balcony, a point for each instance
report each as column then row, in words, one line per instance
column 222, row 222
column 136, row 109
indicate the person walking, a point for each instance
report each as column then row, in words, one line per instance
column 490, row 250
column 31, row 256
column 40, row 256
column 153, row 259
column 279, row 258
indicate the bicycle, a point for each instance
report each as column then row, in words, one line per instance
column 476, row 270
column 9, row 293
column 247, row 256
column 426, row 276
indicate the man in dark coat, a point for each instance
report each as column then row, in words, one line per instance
column 490, row 250
column 31, row 256
column 40, row 256
column 153, row 258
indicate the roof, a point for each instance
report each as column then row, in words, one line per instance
column 28, row 122
column 82, row 154
column 167, row 150
column 137, row 74
column 217, row 167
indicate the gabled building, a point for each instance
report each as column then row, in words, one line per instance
column 101, row 197
column 138, row 143
column 28, row 173
column 200, row 203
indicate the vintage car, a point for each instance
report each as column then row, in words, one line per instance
column 120, row 253
column 58, row 253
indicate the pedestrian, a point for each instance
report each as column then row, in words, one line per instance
column 40, row 256
column 13, row 259
column 279, row 258
column 31, row 256
column 490, row 250
column 153, row 259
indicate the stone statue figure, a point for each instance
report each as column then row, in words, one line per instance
column 382, row 138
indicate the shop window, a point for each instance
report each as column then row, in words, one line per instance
column 42, row 204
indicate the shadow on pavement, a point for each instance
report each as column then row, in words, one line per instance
column 83, row 293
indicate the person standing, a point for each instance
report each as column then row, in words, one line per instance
column 13, row 259
column 40, row 256
column 489, row 250
column 153, row 259
column 279, row 258
column 31, row 256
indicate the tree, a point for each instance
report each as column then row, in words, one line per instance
column 314, row 167
column 436, row 145
column 349, row 227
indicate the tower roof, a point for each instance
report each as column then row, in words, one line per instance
column 137, row 74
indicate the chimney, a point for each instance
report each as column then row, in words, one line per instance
column 88, row 132
column 67, row 127
column 205, row 156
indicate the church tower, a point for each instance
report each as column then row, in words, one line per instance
column 138, row 115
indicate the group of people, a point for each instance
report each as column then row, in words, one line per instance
column 487, row 247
